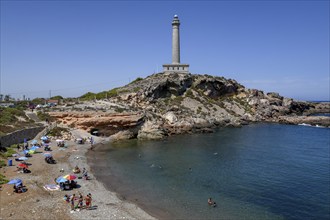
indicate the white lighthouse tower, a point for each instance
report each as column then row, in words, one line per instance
column 176, row 66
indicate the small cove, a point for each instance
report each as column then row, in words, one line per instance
column 259, row 171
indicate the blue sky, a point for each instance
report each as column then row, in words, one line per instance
column 72, row 47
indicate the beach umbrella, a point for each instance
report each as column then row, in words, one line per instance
column 58, row 140
column 61, row 180
column 31, row 151
column 34, row 148
column 47, row 155
column 15, row 181
column 23, row 165
column 23, row 158
column 44, row 138
column 34, row 142
column 70, row 177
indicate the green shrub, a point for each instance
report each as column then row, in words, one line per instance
column 136, row 89
column 3, row 179
column 8, row 115
column 44, row 116
column 136, row 80
column 113, row 92
column 189, row 93
column 8, row 153
column 57, row 131
column 2, row 164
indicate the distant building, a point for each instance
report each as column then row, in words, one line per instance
column 176, row 66
column 7, row 104
column 52, row 102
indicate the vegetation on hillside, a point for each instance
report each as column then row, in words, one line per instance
column 3, row 179
column 12, row 119
column 44, row 116
column 58, row 97
column 9, row 151
column 57, row 131
column 101, row 95
column 136, row 80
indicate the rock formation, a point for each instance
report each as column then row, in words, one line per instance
column 176, row 103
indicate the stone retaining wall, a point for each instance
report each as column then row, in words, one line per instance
column 18, row 136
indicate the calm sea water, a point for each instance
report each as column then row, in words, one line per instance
column 260, row 171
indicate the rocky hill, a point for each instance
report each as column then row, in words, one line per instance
column 176, row 103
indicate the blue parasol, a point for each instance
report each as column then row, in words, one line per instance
column 47, row 155
column 61, row 180
column 44, row 138
column 15, row 181
column 23, row 158
column 34, row 148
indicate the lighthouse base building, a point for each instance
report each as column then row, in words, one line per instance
column 176, row 67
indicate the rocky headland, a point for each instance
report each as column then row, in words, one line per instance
column 167, row 104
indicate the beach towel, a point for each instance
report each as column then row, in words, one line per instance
column 51, row 187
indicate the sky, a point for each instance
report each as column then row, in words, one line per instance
column 72, row 47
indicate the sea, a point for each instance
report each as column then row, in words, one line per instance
column 258, row 171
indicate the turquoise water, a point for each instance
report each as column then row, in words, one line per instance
column 260, row 171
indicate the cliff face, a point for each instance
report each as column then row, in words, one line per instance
column 166, row 104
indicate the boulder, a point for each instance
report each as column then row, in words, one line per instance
column 170, row 117
column 122, row 135
column 151, row 130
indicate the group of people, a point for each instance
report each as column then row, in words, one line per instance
column 19, row 188
column 77, row 170
column 72, row 200
column 69, row 184
column 50, row 160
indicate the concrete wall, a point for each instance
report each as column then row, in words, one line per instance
column 18, row 136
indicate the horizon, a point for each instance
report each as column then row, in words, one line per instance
column 71, row 48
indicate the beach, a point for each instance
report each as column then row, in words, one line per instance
column 38, row 203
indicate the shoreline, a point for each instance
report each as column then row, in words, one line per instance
column 37, row 203
column 155, row 212
column 108, row 203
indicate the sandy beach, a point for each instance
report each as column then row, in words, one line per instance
column 38, row 203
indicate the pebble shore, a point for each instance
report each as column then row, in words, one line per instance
column 108, row 205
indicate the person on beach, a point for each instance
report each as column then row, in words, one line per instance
column 66, row 198
column 72, row 201
column 88, row 200
column 80, row 201
column 85, row 174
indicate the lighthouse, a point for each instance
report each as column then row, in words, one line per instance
column 176, row 66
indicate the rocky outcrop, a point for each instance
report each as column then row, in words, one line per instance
column 177, row 103
column 106, row 123
column 310, row 120
column 151, row 130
